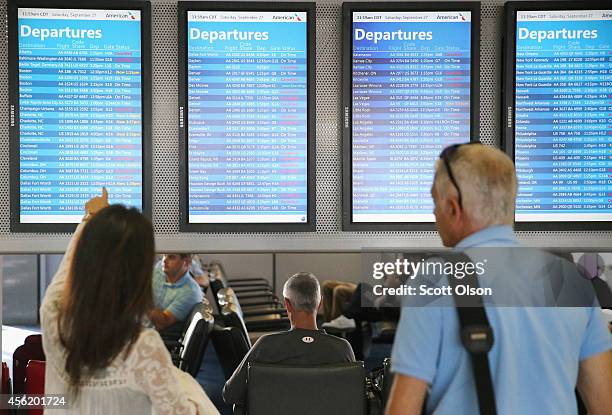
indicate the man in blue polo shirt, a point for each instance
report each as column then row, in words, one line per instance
column 175, row 293
column 539, row 355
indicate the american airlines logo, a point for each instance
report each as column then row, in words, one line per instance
column 119, row 16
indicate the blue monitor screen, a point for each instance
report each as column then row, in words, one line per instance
column 80, row 111
column 410, row 99
column 563, row 115
column 247, row 99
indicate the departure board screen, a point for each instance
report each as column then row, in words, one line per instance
column 562, row 127
column 79, row 111
column 411, row 95
column 247, row 96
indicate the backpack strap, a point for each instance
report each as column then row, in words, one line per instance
column 476, row 334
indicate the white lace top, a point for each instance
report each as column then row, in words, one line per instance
column 144, row 382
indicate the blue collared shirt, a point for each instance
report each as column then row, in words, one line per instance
column 499, row 235
column 534, row 360
column 178, row 298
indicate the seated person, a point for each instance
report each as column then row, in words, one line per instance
column 304, row 344
column 336, row 298
column 175, row 294
column 198, row 271
column 354, row 301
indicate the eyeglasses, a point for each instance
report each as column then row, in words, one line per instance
column 447, row 155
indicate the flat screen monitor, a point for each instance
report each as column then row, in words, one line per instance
column 246, row 116
column 80, row 109
column 410, row 89
column 558, row 113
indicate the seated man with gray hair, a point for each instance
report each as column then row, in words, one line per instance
column 303, row 344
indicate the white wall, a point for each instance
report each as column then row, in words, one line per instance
column 243, row 265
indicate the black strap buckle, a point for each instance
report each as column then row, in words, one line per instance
column 477, row 338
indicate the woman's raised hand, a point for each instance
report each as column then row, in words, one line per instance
column 97, row 203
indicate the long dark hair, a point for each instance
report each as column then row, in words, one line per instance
column 108, row 292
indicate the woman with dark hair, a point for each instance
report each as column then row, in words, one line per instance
column 98, row 352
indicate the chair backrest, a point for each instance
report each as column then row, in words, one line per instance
column 7, row 388
column 6, row 380
column 203, row 308
column 231, row 315
column 35, row 377
column 321, row 390
column 31, row 349
column 387, row 380
column 231, row 347
column 35, row 382
column 178, row 330
column 196, row 339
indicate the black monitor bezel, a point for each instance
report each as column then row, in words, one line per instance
column 184, row 224
column 347, row 45
column 14, row 139
column 508, row 102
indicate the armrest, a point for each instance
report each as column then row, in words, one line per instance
column 247, row 300
column 230, row 280
column 262, row 294
column 278, row 324
column 282, row 312
column 271, row 303
column 248, row 283
column 241, row 287
column 249, row 289
column 269, row 306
